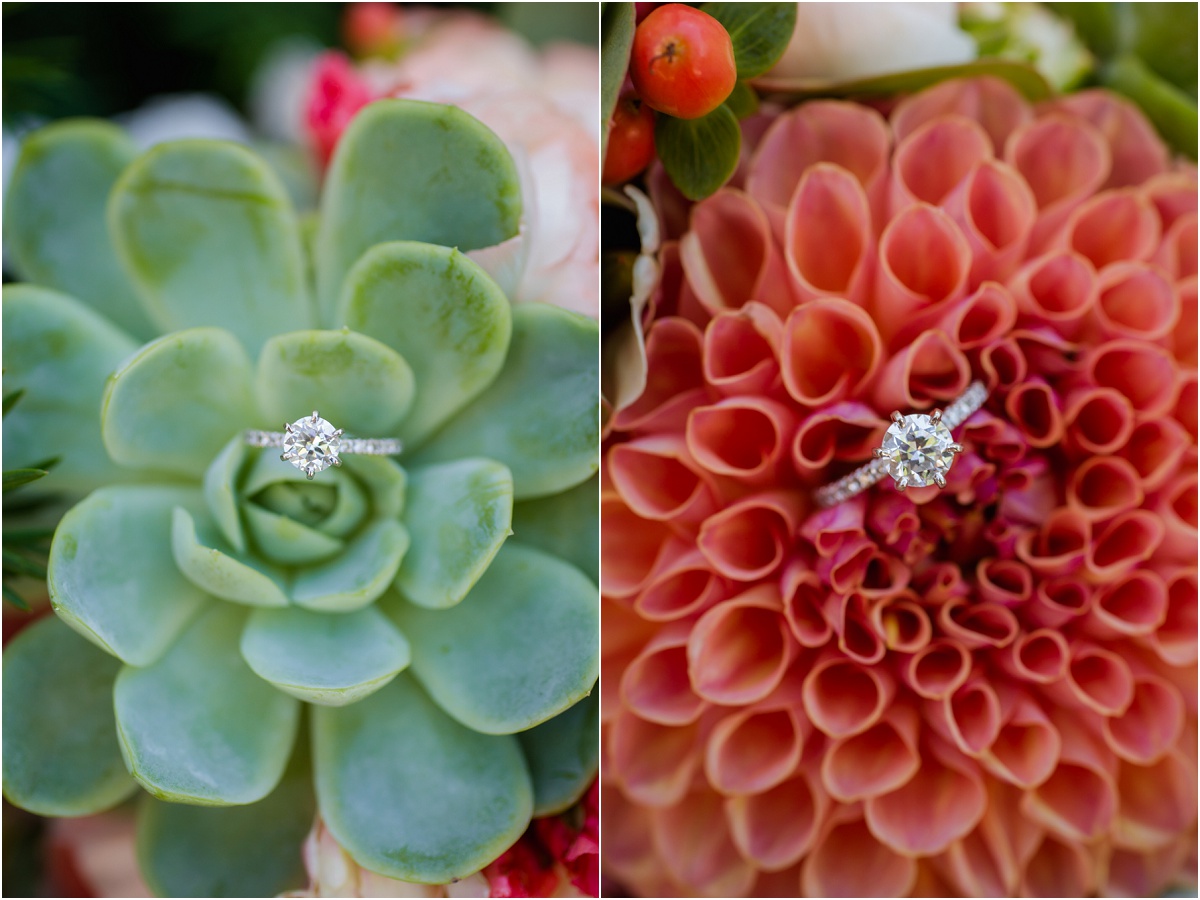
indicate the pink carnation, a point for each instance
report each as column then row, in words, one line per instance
column 988, row 690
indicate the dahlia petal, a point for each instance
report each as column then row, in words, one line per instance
column 828, row 241
column 924, row 261
column 694, row 843
column 929, row 163
column 1096, row 679
column 1039, row 656
column 1036, row 410
column 1136, row 150
column 1186, row 405
column 657, row 479
column 941, row 804
column 1176, row 507
column 1103, row 486
column 1098, row 420
column 628, row 842
column 1058, row 289
column 1060, row 546
column 878, row 870
column 843, row 698
column 747, row 540
column 848, row 615
column 629, row 547
column 849, row 135
column 1158, row 802
column 903, row 622
column 653, row 763
column 846, row 430
column 1173, row 195
column 803, row 605
column 1175, row 639
column 938, row 669
column 1007, row 582
column 746, row 438
column 845, row 568
column 1003, row 364
column 681, row 583
column 829, row 529
column 1183, row 340
column 1134, row 604
column 974, row 625
column 777, row 827
column 1077, row 802
column 755, row 749
column 1152, row 724
column 891, row 516
column 655, row 684
column 992, row 102
column 674, row 367
column 876, row 761
column 1135, row 300
column 1127, row 540
column 885, row 576
column 982, row 318
column 741, row 350
column 830, row 349
column 1027, row 749
column 1130, row 873
column 1111, row 227
column 970, row 718
column 930, row 369
column 1058, row 869
column 622, row 639
column 738, row 651
column 730, row 257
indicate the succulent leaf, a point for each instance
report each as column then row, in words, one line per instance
column 566, row 525
column 229, row 851
column 59, row 352
column 221, row 493
column 220, row 570
column 54, row 211
column 438, row 310
column 358, row 383
column 540, row 416
column 285, row 541
column 112, row 576
column 465, row 512
column 410, row 792
column 323, row 659
column 61, row 756
column 359, row 575
column 563, row 755
column 384, row 481
column 209, row 237
column 175, row 405
column 198, row 726
column 411, row 171
column 518, row 650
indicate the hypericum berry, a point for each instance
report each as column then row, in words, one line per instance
column 682, row 62
column 373, row 29
column 630, row 141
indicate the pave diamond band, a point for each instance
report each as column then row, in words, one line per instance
column 312, row 444
column 917, row 450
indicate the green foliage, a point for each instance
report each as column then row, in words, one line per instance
column 701, row 154
column 760, row 32
column 617, row 23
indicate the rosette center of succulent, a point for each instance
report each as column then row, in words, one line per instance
column 312, row 445
column 919, row 450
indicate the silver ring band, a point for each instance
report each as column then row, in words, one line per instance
column 873, row 472
column 312, row 444
column 369, row 446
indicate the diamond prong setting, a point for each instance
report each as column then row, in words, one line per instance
column 918, row 450
column 311, row 445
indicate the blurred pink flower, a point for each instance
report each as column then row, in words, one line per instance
column 545, row 108
column 989, row 690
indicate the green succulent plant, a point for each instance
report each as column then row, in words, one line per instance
column 429, row 621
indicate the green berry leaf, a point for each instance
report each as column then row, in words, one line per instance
column 210, row 238
column 56, row 229
column 198, row 726
column 463, row 512
column 411, row 793
column 563, row 755
column 743, row 102
column 324, row 659
column 541, row 415
column 61, row 756
column 1170, row 109
column 411, row 171
column 701, row 154
column 760, row 32
column 518, row 650
column 617, row 24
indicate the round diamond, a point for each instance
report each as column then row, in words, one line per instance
column 917, row 448
column 312, row 445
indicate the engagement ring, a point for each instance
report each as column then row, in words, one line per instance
column 312, row 444
column 917, row 450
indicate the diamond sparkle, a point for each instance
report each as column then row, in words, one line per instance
column 312, row 445
column 919, row 450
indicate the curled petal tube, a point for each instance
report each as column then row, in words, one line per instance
column 1099, row 420
column 1186, row 405
column 1142, row 372
column 746, row 438
column 974, row 624
column 658, row 480
column 629, row 547
column 1127, row 540
column 749, row 539
column 1096, row 679
column 1036, row 410
column 970, row 718
column 992, row 102
column 1130, row 873
column 1158, row 801
column 845, row 568
column 996, row 211
column 828, row 529
column 903, row 623
column 941, row 804
column 981, row 319
column 1177, row 253
column 848, row 135
column 891, row 516
column 1003, row 364
column 803, row 605
column 1026, row 750
column 827, row 241
column 777, row 827
column 1103, row 486
column 1150, row 727
column 856, row 637
column 924, row 262
column 738, row 651
column 1176, row 506
column 694, row 842
column 674, row 350
column 1057, row 289
column 885, row 576
column 655, row 685
column 847, row 430
column 930, row 370
column 655, row 763
column 1183, row 341
column 1136, row 150
column 1048, row 352
column 938, row 669
column 987, row 862
column 681, row 583
column 830, row 348
column 878, row 870
column 629, row 852
column 1007, row 582
column 1039, row 656
column 1175, row 639
column 1135, row 300
column 730, row 257
column 1111, row 227
column 876, row 761
column 1173, row 195
column 1078, row 802
column 755, row 749
column 843, row 698
column 1058, row 869
column 741, row 350
column 935, row 159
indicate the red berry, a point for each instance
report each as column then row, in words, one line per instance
column 630, row 141
column 682, row 62
column 373, row 29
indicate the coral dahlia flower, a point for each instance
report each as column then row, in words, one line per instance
column 985, row 690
